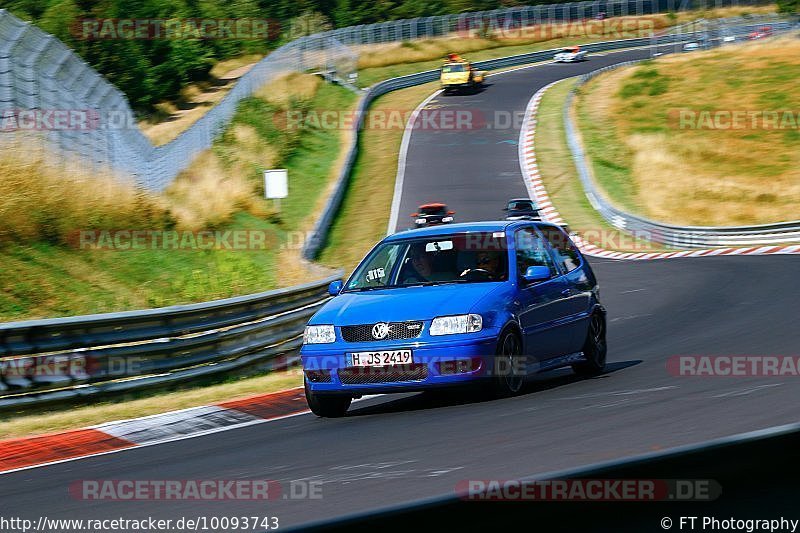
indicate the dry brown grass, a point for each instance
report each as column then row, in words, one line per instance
column 425, row 50
column 288, row 89
column 172, row 120
column 205, row 195
column 195, row 100
column 223, row 69
column 219, row 184
column 563, row 185
column 724, row 12
column 705, row 176
column 42, row 203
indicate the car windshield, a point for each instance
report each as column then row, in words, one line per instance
column 458, row 258
column 433, row 210
column 520, row 206
column 453, row 68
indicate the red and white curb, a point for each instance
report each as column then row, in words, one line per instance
column 538, row 192
column 30, row 452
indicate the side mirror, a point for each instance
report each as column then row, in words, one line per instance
column 335, row 287
column 415, row 215
column 537, row 273
column 451, row 212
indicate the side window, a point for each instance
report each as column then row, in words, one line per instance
column 567, row 255
column 531, row 250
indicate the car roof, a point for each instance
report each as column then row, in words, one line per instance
column 462, row 227
column 434, row 204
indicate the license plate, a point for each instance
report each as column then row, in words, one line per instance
column 381, row 358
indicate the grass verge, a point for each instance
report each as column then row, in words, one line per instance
column 663, row 141
column 380, row 62
column 44, row 274
column 364, row 215
column 562, row 182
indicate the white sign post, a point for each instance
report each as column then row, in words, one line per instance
column 276, row 185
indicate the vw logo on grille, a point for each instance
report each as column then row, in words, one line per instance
column 380, row 330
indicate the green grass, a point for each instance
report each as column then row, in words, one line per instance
column 561, row 178
column 653, row 136
column 364, row 215
column 610, row 158
column 40, row 279
column 47, row 280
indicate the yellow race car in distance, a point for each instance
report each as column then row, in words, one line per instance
column 458, row 73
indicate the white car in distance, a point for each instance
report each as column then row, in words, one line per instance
column 570, row 54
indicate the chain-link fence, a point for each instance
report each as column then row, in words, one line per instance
column 703, row 34
column 48, row 93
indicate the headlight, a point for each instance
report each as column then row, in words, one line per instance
column 318, row 335
column 447, row 219
column 420, row 221
column 449, row 325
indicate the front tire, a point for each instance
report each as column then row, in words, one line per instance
column 594, row 348
column 327, row 405
column 509, row 370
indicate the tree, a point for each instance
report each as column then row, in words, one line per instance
column 308, row 23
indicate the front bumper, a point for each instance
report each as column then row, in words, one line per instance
column 456, row 360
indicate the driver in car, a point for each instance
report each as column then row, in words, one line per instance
column 487, row 263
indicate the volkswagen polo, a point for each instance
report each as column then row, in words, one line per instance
column 483, row 303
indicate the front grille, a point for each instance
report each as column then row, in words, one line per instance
column 383, row 374
column 397, row 331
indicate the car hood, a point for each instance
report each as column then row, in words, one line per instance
column 408, row 303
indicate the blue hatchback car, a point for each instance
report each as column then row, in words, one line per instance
column 482, row 302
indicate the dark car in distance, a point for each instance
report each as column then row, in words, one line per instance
column 432, row 214
column 521, row 209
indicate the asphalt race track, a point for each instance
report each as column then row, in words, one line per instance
column 395, row 449
column 474, row 169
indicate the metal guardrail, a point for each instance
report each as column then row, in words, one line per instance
column 66, row 358
column 318, row 236
column 38, row 72
column 671, row 235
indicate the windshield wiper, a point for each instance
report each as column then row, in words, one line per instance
column 417, row 284
column 429, row 283
column 362, row 289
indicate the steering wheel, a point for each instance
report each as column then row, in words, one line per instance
column 473, row 274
